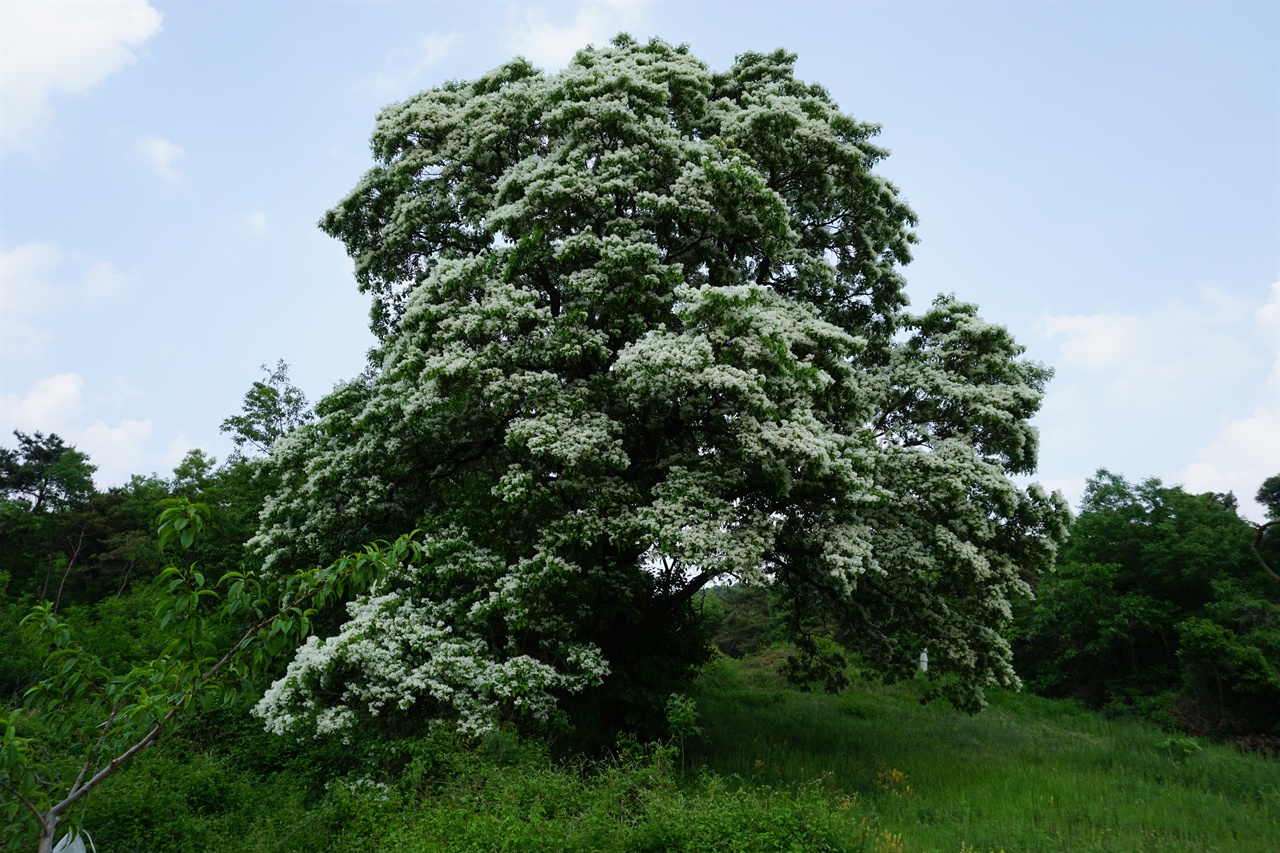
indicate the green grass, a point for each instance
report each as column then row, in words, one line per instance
column 472, row 801
column 626, row 806
column 868, row 771
column 1027, row 774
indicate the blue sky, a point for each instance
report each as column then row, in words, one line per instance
column 1103, row 179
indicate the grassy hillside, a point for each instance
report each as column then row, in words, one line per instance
column 1027, row 774
column 867, row 771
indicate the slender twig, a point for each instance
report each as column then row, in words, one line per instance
column 93, row 753
column 30, row 805
column 77, row 794
column 57, row 601
column 1257, row 540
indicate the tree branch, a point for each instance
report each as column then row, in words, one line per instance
column 691, row 588
column 77, row 794
column 75, row 553
column 1257, row 552
column 93, row 753
column 30, row 805
column 79, row 791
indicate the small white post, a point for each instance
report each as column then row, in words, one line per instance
column 924, row 661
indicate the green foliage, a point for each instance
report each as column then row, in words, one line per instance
column 1158, row 608
column 1269, row 496
column 631, row 803
column 682, row 722
column 1180, row 748
column 20, row 665
column 436, row 792
column 82, row 552
column 1230, row 660
column 194, row 474
column 45, row 473
column 870, row 770
column 51, row 519
column 744, row 622
column 114, row 715
column 272, row 409
column 816, row 660
column 178, row 796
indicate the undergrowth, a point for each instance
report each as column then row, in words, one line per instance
column 769, row 769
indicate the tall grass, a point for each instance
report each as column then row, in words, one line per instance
column 868, row 771
column 1027, row 774
column 441, row 794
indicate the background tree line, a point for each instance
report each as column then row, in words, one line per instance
column 1163, row 605
column 65, row 542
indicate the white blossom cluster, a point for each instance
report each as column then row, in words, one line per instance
column 398, row 649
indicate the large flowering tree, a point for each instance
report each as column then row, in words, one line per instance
column 642, row 328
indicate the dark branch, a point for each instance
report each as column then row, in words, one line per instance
column 1257, row 540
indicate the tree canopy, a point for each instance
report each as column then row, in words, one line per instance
column 1158, row 607
column 642, row 327
column 272, row 408
column 45, row 473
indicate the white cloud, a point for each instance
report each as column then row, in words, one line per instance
column 48, row 47
column 178, row 447
column 1188, row 391
column 1239, row 456
column 531, row 34
column 254, row 224
column 35, row 281
column 118, row 447
column 24, row 295
column 118, row 450
column 1174, row 351
column 121, row 392
column 1267, row 318
column 102, row 280
column 51, row 404
column 1244, row 451
column 431, row 50
column 163, row 154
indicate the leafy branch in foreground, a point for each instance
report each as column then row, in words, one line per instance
column 116, row 716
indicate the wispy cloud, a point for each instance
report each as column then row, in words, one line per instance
column 119, row 447
column 254, row 224
column 531, row 32
column 1174, row 351
column 48, row 47
column 118, row 450
column 25, row 295
column 1188, row 391
column 163, row 154
column 1245, row 450
column 35, row 281
column 48, row 406
column 431, row 50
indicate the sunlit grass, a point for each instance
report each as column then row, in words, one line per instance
column 1027, row 774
